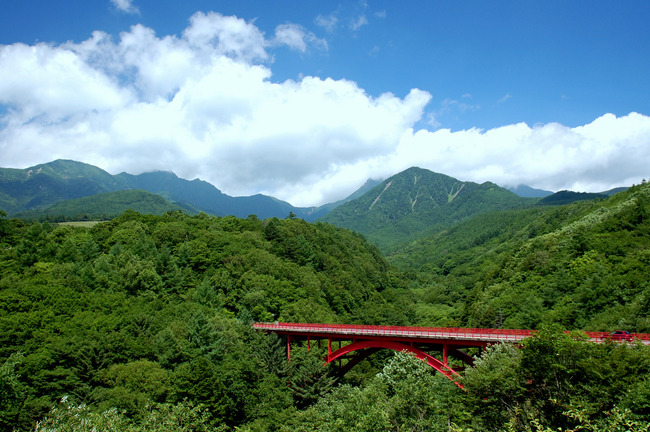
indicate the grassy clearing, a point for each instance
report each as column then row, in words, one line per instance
column 86, row 224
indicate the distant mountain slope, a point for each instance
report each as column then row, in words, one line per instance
column 529, row 192
column 416, row 202
column 568, row 197
column 326, row 208
column 614, row 191
column 207, row 198
column 38, row 187
column 42, row 185
column 105, row 206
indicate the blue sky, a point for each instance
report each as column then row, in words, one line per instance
column 304, row 100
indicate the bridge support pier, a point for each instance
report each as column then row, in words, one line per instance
column 444, row 354
column 289, row 347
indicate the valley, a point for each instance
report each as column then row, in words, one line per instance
column 147, row 315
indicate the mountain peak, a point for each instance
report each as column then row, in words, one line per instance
column 529, row 192
column 417, row 200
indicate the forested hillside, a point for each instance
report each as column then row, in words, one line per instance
column 104, row 206
column 584, row 266
column 143, row 323
column 157, row 308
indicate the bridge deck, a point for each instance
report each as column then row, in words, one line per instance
column 424, row 334
column 366, row 339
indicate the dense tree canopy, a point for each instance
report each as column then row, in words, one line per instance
column 156, row 309
column 143, row 322
column 584, row 266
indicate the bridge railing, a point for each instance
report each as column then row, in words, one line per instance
column 428, row 332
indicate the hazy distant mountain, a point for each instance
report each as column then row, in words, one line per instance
column 529, row 192
column 565, row 197
column 568, row 197
column 207, row 198
column 412, row 202
column 326, row 208
column 417, row 202
column 614, row 191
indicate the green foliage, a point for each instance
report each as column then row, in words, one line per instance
column 150, row 309
column 143, row 322
column 558, row 380
column 11, row 391
column 131, row 386
column 584, row 266
column 309, row 379
column 406, row 395
column 159, row 417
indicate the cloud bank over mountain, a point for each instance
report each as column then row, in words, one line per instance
column 204, row 104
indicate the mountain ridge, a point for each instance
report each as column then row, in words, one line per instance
column 418, row 201
column 40, row 186
column 397, row 204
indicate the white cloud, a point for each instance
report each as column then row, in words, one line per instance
column 203, row 104
column 125, row 6
column 608, row 152
column 225, row 35
column 432, row 120
column 448, row 104
column 328, row 22
column 297, row 37
column 50, row 83
column 358, row 23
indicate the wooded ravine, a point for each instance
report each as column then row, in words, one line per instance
column 143, row 322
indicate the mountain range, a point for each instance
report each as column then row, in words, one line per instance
column 30, row 192
column 411, row 204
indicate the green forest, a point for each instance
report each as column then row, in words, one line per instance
column 143, row 322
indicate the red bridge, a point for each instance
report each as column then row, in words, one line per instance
column 364, row 340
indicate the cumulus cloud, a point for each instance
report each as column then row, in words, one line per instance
column 607, row 152
column 203, row 104
column 52, row 84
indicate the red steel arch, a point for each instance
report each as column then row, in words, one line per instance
column 396, row 346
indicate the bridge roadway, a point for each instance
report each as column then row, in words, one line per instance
column 364, row 340
column 458, row 336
